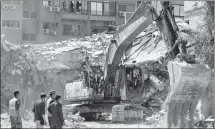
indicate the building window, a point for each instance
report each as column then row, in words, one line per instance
column 50, row 26
column 29, row 37
column 56, row 3
column 178, row 10
column 47, row 3
column 25, row 37
column 78, row 6
column 11, row 24
column 33, row 37
column 93, row 7
column 33, row 15
column 73, row 6
column 68, row 30
column 79, row 29
column 84, row 5
column 14, row 2
column 99, row 8
column 122, row 8
column 106, row 9
column 50, row 3
column 182, row 10
column 27, row 14
column 112, row 10
column 96, row 8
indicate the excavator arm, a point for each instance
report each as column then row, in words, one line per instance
column 139, row 21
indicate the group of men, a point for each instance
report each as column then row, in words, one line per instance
column 94, row 81
column 71, row 7
column 54, row 109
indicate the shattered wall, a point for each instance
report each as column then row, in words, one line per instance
column 33, row 69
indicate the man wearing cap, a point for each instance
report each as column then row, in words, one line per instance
column 49, row 101
column 39, row 111
column 55, row 109
column 14, row 111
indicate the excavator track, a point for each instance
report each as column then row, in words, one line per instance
column 127, row 112
column 88, row 111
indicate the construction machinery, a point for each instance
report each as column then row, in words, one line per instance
column 116, row 96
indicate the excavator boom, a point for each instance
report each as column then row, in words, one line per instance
column 140, row 20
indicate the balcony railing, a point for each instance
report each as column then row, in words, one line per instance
column 102, row 13
column 85, row 12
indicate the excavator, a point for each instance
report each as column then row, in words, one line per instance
column 114, row 98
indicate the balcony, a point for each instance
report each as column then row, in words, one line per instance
column 83, row 15
column 74, row 14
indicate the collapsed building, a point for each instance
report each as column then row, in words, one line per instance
column 36, row 68
column 40, row 68
column 148, row 52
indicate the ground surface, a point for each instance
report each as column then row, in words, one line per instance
column 137, row 124
column 90, row 124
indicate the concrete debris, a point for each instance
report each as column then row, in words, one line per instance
column 75, row 117
column 93, row 46
column 155, row 117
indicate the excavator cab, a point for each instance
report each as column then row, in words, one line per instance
column 128, row 83
column 130, row 87
column 133, row 79
column 87, row 89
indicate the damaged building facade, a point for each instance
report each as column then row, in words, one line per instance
column 49, row 21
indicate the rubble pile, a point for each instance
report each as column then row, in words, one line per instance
column 150, row 52
column 36, row 68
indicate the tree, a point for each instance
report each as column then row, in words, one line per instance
column 205, row 37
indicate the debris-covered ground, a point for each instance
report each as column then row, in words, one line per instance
column 42, row 67
column 78, row 123
column 29, row 123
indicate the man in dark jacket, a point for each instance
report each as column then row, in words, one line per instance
column 49, row 102
column 39, row 111
column 57, row 115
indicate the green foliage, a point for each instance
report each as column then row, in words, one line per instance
column 205, row 37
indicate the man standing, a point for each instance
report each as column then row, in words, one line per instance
column 39, row 111
column 49, row 101
column 14, row 111
column 85, row 66
column 55, row 109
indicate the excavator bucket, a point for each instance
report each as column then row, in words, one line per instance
column 188, row 81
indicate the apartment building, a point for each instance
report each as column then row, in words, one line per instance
column 47, row 21
column 11, row 19
column 125, row 10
